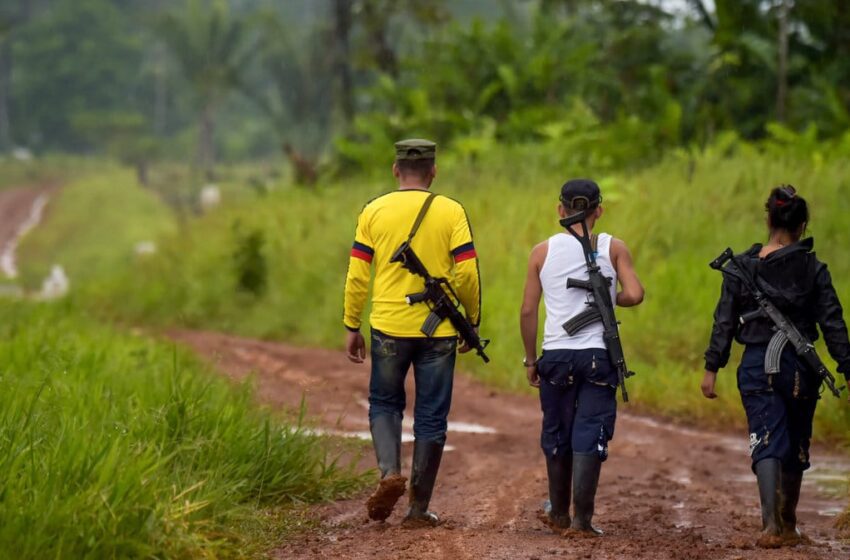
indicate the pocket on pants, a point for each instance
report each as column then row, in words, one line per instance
column 383, row 346
column 443, row 345
column 599, row 369
column 558, row 373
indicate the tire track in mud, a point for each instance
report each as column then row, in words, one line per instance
column 667, row 492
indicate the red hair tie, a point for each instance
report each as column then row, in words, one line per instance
column 780, row 202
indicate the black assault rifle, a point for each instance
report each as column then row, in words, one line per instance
column 441, row 299
column 601, row 308
column 786, row 331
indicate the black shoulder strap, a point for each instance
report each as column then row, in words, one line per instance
column 421, row 216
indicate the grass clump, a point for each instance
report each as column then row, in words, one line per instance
column 116, row 446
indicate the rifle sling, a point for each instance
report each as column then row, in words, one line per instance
column 421, row 216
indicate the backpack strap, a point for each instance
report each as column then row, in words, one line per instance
column 421, row 216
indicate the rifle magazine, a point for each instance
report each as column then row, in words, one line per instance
column 773, row 356
column 587, row 317
column 431, row 323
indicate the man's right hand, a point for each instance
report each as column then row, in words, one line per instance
column 463, row 346
column 707, row 385
column 355, row 347
column 532, row 375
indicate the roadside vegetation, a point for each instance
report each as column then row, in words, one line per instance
column 117, row 446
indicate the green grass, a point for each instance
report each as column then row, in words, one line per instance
column 676, row 217
column 116, row 446
column 92, row 226
column 50, row 169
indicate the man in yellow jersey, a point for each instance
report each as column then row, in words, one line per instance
column 443, row 242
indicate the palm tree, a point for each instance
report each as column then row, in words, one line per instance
column 212, row 47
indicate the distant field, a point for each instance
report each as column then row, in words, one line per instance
column 18, row 172
column 92, row 227
column 114, row 446
column 675, row 216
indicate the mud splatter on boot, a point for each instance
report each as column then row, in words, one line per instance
column 381, row 503
column 386, row 438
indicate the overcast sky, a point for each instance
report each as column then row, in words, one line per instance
column 683, row 4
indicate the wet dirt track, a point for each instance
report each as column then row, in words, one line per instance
column 16, row 213
column 666, row 492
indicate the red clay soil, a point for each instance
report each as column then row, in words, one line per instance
column 667, row 492
column 15, row 207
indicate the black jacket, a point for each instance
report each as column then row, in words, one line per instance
column 799, row 285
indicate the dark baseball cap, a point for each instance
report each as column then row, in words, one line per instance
column 580, row 194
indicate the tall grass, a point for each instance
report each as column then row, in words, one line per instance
column 675, row 216
column 114, row 446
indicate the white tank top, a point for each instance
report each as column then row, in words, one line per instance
column 565, row 259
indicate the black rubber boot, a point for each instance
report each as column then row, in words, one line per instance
column 790, row 496
column 586, row 470
column 559, row 469
column 769, row 474
column 426, row 462
column 386, row 438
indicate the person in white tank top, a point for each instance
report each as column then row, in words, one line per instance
column 576, row 380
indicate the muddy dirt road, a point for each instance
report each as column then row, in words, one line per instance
column 20, row 210
column 666, row 492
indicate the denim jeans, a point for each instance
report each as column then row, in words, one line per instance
column 433, row 361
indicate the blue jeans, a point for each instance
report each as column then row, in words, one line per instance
column 433, row 361
column 780, row 411
column 578, row 395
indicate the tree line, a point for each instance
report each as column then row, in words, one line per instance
column 148, row 79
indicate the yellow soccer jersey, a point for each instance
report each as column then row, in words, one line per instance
column 443, row 244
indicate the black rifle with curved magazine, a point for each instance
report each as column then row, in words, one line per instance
column 786, row 331
column 600, row 308
column 441, row 299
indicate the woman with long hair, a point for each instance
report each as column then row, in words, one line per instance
column 780, row 406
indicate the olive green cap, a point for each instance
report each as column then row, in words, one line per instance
column 415, row 148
